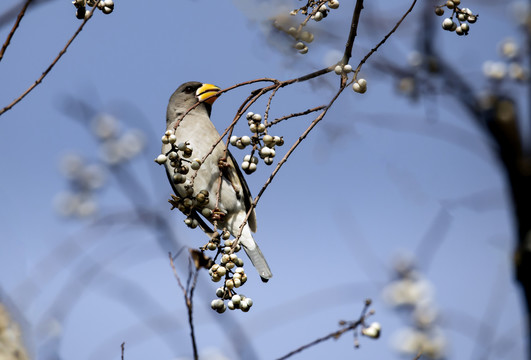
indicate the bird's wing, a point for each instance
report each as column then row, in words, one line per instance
column 234, row 175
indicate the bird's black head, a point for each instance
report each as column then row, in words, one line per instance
column 188, row 94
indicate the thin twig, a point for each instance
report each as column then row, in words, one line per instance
column 50, row 67
column 275, row 81
column 268, row 106
column 373, row 50
column 15, row 26
column 334, row 335
column 188, row 295
column 308, row 76
column 123, row 350
column 276, row 121
column 176, row 274
column 11, row 13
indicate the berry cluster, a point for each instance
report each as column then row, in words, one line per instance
column 464, row 17
column 236, row 302
column 359, row 85
column 411, row 294
column 510, row 67
column 84, row 180
column 106, row 7
column 315, row 10
column 343, row 69
column 230, row 268
column 179, row 157
column 261, row 142
column 116, row 146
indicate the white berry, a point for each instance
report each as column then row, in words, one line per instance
column 447, row 24
column 333, row 4
column 161, row 159
column 268, row 139
column 196, row 164
column 246, row 140
column 265, row 151
column 216, row 304
column 307, row 36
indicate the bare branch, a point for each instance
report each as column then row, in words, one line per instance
column 353, row 32
column 373, row 50
column 15, row 26
column 334, row 335
column 276, row 121
column 50, row 67
column 188, row 295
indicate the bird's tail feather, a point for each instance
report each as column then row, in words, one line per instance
column 257, row 258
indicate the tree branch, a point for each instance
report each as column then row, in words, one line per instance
column 353, row 32
column 336, row 334
column 188, row 293
column 50, row 67
column 373, row 50
column 15, row 26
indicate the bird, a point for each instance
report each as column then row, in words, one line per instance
column 190, row 134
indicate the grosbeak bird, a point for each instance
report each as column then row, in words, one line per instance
column 228, row 202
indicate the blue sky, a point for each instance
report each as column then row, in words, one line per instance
column 364, row 187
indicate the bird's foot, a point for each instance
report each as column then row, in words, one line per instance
column 223, row 163
column 218, row 215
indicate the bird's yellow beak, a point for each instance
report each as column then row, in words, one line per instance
column 207, row 93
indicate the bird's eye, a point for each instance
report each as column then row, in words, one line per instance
column 188, row 89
